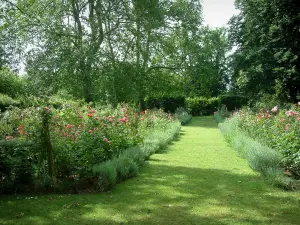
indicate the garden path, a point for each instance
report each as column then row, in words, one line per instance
column 197, row 180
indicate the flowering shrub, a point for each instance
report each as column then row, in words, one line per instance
column 80, row 136
column 279, row 129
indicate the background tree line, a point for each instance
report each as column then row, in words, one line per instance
column 128, row 50
column 114, row 50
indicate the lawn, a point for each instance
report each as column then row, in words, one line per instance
column 197, row 180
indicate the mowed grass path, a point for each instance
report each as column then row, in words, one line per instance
column 198, row 180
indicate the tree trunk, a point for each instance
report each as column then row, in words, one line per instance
column 46, row 144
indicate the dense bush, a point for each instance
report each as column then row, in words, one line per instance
column 6, row 101
column 10, row 83
column 202, row 106
column 261, row 158
column 183, row 116
column 233, row 102
column 168, row 104
column 81, row 138
column 279, row 129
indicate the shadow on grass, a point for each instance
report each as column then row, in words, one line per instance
column 163, row 195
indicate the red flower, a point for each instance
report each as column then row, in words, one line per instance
column 143, row 112
column 92, row 111
column 65, row 134
column 90, row 115
column 96, row 118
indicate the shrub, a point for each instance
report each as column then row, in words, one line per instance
column 233, row 102
column 80, row 136
column 136, row 154
column 125, row 167
column 168, row 104
column 202, row 106
column 261, row 158
column 10, row 83
column 6, row 101
column 106, row 175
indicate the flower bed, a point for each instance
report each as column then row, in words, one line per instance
column 45, row 147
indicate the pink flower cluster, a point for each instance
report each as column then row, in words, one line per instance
column 291, row 113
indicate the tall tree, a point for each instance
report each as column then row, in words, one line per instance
column 267, row 59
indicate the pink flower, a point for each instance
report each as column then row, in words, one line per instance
column 106, row 140
column 298, row 118
column 91, row 132
column 7, row 138
column 275, row 109
column 96, row 118
column 90, row 115
column 287, row 127
column 124, row 109
column 291, row 113
column 69, row 126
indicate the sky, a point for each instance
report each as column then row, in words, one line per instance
column 218, row 12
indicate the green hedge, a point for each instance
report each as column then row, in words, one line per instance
column 202, row 106
column 168, row 104
column 233, row 102
column 6, row 101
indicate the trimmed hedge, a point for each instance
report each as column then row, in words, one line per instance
column 168, row 104
column 202, row 106
column 233, row 102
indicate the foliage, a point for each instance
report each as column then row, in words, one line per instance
column 202, row 105
column 233, row 102
column 10, row 83
column 261, row 158
column 278, row 128
column 6, row 101
column 267, row 57
column 168, row 104
column 183, row 116
column 79, row 139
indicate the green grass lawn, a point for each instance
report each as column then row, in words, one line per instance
column 198, row 180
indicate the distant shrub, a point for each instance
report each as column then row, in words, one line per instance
column 10, row 83
column 233, row 102
column 6, row 101
column 202, row 106
column 168, row 104
column 183, row 116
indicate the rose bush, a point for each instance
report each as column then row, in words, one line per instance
column 81, row 136
column 278, row 128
